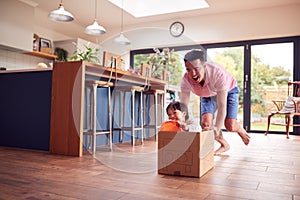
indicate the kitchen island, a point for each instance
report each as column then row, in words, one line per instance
column 44, row 108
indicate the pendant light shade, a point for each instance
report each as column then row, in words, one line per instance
column 61, row 14
column 95, row 29
column 121, row 39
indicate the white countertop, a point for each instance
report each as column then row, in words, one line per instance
column 24, row 70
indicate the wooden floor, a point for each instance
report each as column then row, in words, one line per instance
column 267, row 169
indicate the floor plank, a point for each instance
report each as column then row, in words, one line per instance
column 268, row 168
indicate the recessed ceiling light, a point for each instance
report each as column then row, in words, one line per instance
column 144, row 8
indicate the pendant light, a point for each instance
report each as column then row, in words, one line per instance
column 61, row 14
column 121, row 39
column 95, row 28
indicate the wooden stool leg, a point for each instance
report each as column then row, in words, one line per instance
column 145, row 114
column 163, row 106
column 94, row 121
column 89, row 113
column 155, row 114
column 123, row 96
column 113, row 112
column 109, row 118
column 141, row 110
column 132, row 117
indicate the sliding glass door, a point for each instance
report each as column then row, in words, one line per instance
column 271, row 69
column 262, row 69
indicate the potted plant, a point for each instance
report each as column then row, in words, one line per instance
column 61, row 53
column 161, row 61
column 90, row 55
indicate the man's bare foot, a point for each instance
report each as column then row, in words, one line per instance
column 224, row 144
column 245, row 137
column 221, row 150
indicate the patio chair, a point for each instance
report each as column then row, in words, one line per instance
column 287, row 108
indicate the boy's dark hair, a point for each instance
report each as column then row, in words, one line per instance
column 193, row 55
column 176, row 105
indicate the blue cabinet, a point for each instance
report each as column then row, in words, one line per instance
column 25, row 106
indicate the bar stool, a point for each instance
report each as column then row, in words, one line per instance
column 91, row 130
column 154, row 121
column 122, row 90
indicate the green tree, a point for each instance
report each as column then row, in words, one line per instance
column 175, row 70
column 262, row 75
column 232, row 60
column 139, row 59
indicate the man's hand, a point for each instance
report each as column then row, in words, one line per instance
column 217, row 132
column 183, row 125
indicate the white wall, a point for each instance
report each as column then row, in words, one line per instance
column 16, row 30
column 252, row 24
column 12, row 60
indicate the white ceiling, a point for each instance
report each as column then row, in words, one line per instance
column 109, row 15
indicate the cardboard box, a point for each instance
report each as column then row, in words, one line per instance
column 185, row 153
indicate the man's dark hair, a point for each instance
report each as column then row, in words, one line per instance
column 193, row 55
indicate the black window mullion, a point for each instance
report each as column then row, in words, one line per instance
column 247, row 87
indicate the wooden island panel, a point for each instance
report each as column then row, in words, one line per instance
column 67, row 109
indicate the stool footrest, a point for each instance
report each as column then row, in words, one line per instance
column 154, row 91
column 98, row 83
column 151, row 126
column 127, row 128
column 128, row 88
column 98, row 132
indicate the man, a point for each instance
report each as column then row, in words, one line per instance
column 218, row 91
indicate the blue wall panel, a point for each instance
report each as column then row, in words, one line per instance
column 25, row 107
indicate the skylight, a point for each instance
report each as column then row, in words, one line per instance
column 144, row 8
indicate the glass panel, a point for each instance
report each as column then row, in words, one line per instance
column 162, row 59
column 271, row 69
column 176, row 70
column 232, row 59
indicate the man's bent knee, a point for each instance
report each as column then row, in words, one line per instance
column 207, row 119
column 231, row 125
